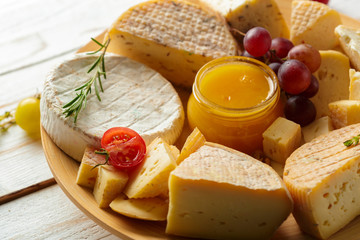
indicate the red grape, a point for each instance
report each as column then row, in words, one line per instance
column 275, row 67
column 307, row 54
column 312, row 89
column 299, row 109
column 322, row 1
column 257, row 41
column 281, row 46
column 294, row 77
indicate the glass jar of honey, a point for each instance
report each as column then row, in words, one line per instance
column 233, row 101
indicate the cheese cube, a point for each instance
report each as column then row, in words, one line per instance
column 175, row 38
column 344, row 112
column 193, row 142
column 354, row 90
column 318, row 127
column 150, row 179
column 109, row 184
column 87, row 174
column 281, row 139
column 350, row 42
column 333, row 76
column 246, row 14
column 151, row 209
column 220, row 193
column 323, row 179
column 314, row 23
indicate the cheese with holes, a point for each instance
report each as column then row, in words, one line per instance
column 173, row 37
column 323, row 177
column 316, row 128
column 109, row 184
column 314, row 23
column 281, row 139
column 220, row 193
column 345, row 112
column 150, row 179
column 152, row 209
column 350, row 42
column 333, row 76
column 354, row 90
column 246, row 14
column 134, row 96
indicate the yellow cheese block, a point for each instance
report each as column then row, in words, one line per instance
column 345, row 112
column 150, row 179
column 193, row 142
column 333, row 76
column 173, row 37
column 109, row 184
column 354, row 90
column 314, row 23
column 151, row 209
column 87, row 174
column 318, row 127
column 323, row 178
column 245, row 14
column 281, row 139
column 220, row 193
column 278, row 167
column 350, row 42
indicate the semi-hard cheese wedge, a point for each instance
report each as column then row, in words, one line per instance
column 344, row 112
column 135, row 96
column 354, row 90
column 323, row 179
column 333, row 76
column 173, row 37
column 350, row 42
column 314, row 23
column 220, row 193
column 246, row 14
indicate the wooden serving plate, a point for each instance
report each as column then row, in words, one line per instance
column 65, row 170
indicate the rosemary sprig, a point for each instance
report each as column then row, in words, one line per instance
column 353, row 141
column 7, row 120
column 102, row 151
column 74, row 106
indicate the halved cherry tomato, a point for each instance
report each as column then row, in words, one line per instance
column 126, row 147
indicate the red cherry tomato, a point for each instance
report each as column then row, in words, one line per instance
column 126, row 147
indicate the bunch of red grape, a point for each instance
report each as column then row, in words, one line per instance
column 293, row 65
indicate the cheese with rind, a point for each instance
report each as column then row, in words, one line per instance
column 344, row 113
column 220, row 193
column 323, row 177
column 135, row 96
column 176, row 38
column 349, row 38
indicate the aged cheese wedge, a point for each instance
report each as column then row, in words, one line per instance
column 314, row 23
column 193, row 142
column 323, row 177
column 152, row 209
column 245, row 14
column 173, row 37
column 220, row 193
column 318, row 127
column 345, row 112
column 135, row 96
column 350, row 42
column 354, row 90
column 333, row 76
column 150, row 179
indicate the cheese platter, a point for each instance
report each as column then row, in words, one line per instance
column 65, row 169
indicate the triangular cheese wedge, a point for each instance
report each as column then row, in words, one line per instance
column 350, row 42
column 220, row 193
column 314, row 23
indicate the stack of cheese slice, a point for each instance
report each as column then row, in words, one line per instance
column 220, row 193
column 135, row 96
column 173, row 37
column 323, row 177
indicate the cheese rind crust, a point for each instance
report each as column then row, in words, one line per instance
column 323, row 177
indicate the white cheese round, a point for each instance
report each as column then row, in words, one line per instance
column 134, row 96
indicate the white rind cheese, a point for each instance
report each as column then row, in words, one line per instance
column 350, row 42
column 134, row 96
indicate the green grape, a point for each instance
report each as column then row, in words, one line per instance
column 27, row 114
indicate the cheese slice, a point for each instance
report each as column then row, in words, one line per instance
column 135, row 96
column 333, row 76
column 350, row 42
column 176, row 38
column 220, row 193
column 246, row 14
column 193, row 142
column 314, row 23
column 323, row 178
column 354, row 90
column 317, row 128
column 345, row 112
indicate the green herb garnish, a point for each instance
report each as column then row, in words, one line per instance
column 105, row 153
column 352, row 142
column 74, row 106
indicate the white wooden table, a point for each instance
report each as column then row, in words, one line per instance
column 35, row 35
